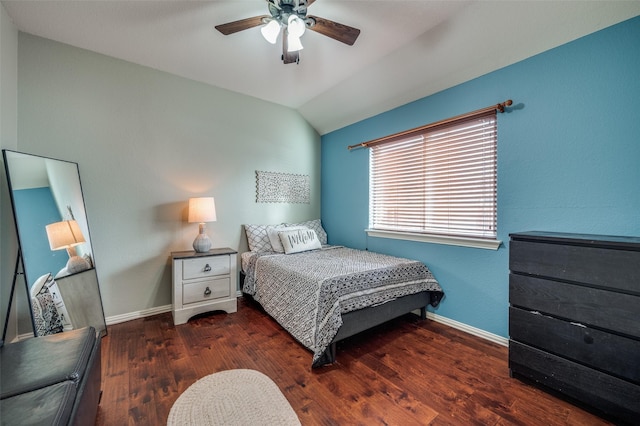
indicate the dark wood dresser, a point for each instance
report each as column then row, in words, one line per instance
column 574, row 318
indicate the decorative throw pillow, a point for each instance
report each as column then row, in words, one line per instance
column 40, row 283
column 274, row 238
column 257, row 238
column 316, row 225
column 299, row 240
column 45, row 314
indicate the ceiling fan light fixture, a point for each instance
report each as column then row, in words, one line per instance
column 290, row 18
column 295, row 26
column 293, row 43
column 270, row 31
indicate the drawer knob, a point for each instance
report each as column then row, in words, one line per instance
column 207, row 268
column 207, row 291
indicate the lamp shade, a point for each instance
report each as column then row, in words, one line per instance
column 270, row 31
column 296, row 26
column 293, row 43
column 64, row 234
column 202, row 209
column 295, row 29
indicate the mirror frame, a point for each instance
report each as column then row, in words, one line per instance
column 79, row 290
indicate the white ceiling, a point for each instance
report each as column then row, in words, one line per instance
column 406, row 49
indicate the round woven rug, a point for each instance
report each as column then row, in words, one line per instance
column 232, row 397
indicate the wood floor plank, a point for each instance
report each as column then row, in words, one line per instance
column 405, row 372
column 393, row 358
column 148, row 380
column 115, row 371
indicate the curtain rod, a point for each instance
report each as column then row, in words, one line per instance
column 498, row 107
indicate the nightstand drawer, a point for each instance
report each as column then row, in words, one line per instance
column 64, row 317
column 60, row 306
column 205, row 267
column 205, row 290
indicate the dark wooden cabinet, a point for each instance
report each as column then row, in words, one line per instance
column 574, row 317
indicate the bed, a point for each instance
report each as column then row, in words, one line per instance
column 326, row 293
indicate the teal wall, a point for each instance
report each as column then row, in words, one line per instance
column 38, row 210
column 568, row 161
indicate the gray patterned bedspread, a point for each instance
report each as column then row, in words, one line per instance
column 308, row 292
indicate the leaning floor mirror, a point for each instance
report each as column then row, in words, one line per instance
column 55, row 249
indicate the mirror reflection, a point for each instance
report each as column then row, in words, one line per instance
column 55, row 245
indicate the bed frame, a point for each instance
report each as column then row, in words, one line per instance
column 363, row 319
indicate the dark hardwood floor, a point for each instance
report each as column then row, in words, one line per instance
column 406, row 372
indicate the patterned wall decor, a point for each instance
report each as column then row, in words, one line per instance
column 282, row 188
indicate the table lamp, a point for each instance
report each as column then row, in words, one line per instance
column 202, row 210
column 67, row 235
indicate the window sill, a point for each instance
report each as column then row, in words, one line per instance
column 438, row 239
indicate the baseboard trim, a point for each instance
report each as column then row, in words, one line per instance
column 23, row 336
column 117, row 319
column 502, row 341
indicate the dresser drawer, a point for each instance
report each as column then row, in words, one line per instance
column 205, row 267
column 607, row 352
column 613, row 396
column 609, row 310
column 205, row 290
column 594, row 266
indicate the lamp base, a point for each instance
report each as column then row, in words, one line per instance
column 77, row 264
column 202, row 243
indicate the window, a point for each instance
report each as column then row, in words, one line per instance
column 437, row 180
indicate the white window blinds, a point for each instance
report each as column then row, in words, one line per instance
column 437, row 181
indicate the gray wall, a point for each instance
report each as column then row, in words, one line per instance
column 8, row 140
column 145, row 142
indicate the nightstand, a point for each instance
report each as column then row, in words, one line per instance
column 203, row 282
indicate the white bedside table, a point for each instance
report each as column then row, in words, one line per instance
column 204, row 282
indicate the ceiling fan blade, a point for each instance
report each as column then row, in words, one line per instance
column 243, row 24
column 335, row 30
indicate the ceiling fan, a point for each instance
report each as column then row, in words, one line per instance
column 290, row 16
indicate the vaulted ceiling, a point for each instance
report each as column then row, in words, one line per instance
column 406, row 49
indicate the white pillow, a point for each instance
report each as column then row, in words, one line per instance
column 316, row 225
column 40, row 282
column 299, row 240
column 274, row 240
column 257, row 237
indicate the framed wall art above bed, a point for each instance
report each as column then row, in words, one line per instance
column 272, row 187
